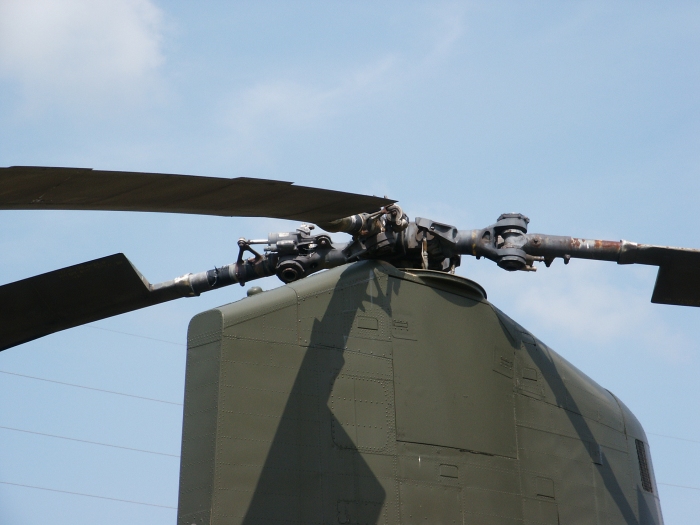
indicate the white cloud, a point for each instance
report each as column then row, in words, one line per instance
column 84, row 50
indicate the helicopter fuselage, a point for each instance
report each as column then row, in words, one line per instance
column 368, row 394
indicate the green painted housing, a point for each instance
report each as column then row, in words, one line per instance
column 366, row 395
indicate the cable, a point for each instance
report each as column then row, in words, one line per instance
column 133, row 335
column 674, row 437
column 175, row 508
column 88, row 495
column 180, row 404
column 90, row 388
column 679, row 486
column 90, row 442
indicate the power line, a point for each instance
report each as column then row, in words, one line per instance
column 180, row 404
column 175, row 508
column 674, row 437
column 89, row 388
column 90, row 442
column 134, row 335
column 88, row 495
column 679, row 486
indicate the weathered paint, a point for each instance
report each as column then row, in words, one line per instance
column 369, row 395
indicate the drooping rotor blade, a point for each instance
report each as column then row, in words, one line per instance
column 54, row 301
column 39, row 188
column 678, row 279
column 678, row 285
column 94, row 290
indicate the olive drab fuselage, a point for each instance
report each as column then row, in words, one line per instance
column 366, row 394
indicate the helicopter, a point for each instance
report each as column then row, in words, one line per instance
column 385, row 389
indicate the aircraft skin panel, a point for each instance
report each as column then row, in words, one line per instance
column 647, row 499
column 197, row 464
column 453, row 373
column 365, row 394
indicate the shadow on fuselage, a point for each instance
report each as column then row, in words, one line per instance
column 564, row 398
column 331, row 480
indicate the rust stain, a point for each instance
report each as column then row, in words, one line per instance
column 595, row 245
column 608, row 245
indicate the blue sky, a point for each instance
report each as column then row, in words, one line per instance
column 585, row 116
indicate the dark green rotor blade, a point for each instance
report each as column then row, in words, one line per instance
column 54, row 301
column 38, row 188
column 678, row 279
column 662, row 256
column 678, row 285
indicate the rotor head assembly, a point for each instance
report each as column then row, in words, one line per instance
column 378, row 228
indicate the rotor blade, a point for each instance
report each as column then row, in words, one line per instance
column 677, row 284
column 678, row 279
column 54, row 301
column 633, row 253
column 38, row 188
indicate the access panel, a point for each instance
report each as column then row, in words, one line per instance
column 453, row 371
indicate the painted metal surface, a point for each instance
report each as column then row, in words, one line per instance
column 385, row 235
column 48, row 188
column 365, row 394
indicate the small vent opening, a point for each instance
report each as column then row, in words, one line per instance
column 643, row 466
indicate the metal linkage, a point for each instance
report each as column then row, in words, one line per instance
column 508, row 244
column 298, row 254
column 423, row 243
column 112, row 285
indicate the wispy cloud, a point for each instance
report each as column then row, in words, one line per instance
column 448, row 23
column 593, row 303
column 268, row 108
column 79, row 50
column 293, row 103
